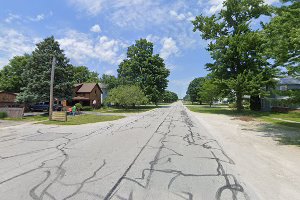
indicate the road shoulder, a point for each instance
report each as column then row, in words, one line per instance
column 270, row 169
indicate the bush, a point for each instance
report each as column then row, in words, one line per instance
column 126, row 96
column 87, row 108
column 232, row 105
column 78, row 106
column 3, row 115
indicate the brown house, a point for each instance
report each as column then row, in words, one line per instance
column 7, row 99
column 86, row 93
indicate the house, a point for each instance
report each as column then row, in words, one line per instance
column 86, row 93
column 7, row 99
column 104, row 91
column 275, row 100
column 288, row 83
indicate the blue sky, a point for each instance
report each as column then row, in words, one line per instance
column 96, row 33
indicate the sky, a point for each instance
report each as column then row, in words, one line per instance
column 97, row 33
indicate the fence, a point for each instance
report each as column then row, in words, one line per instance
column 13, row 112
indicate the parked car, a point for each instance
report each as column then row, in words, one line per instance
column 44, row 106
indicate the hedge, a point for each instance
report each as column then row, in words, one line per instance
column 3, row 115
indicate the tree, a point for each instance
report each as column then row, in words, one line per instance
column 209, row 92
column 170, row 97
column 82, row 74
column 11, row 79
column 145, row 69
column 37, row 74
column 283, row 37
column 236, row 49
column 110, row 80
column 194, row 88
column 127, row 95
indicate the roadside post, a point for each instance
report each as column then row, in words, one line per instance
column 51, row 88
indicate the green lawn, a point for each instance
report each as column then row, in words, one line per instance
column 128, row 110
column 264, row 116
column 83, row 119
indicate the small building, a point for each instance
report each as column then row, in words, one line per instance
column 275, row 100
column 104, row 91
column 8, row 99
column 86, row 93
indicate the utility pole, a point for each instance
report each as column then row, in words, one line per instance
column 51, row 88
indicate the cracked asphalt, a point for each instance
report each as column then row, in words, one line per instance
column 161, row 154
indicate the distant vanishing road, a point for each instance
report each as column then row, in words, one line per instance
column 161, row 154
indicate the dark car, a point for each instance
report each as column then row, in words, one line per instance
column 44, row 106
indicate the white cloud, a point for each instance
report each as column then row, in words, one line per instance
column 214, row 6
column 152, row 38
column 14, row 43
column 82, row 48
column 96, row 28
column 169, row 48
column 37, row 18
column 92, row 7
column 109, row 72
column 11, row 17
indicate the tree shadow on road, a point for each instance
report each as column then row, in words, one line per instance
column 279, row 132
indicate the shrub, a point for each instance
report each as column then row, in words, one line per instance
column 232, row 105
column 3, row 115
column 78, row 106
column 126, row 95
column 87, row 108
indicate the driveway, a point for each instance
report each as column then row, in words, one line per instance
column 161, row 154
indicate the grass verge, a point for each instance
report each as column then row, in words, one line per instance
column 83, row 119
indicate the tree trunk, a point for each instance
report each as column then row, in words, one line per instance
column 239, row 101
column 255, row 103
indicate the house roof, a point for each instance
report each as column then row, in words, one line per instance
column 13, row 93
column 86, row 87
column 289, row 81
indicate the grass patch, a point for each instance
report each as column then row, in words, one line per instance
column 83, row 119
column 264, row 116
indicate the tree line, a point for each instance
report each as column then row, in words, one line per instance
column 246, row 61
column 141, row 73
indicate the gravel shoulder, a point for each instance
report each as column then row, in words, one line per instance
column 271, row 170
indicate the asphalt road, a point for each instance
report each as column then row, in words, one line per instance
column 161, row 154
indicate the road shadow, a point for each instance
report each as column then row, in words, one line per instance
column 279, row 132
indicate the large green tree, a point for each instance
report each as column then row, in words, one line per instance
column 283, row 36
column 81, row 74
column 194, row 88
column 38, row 70
column 210, row 91
column 11, row 79
column 169, row 97
column 144, row 68
column 127, row 96
column 110, row 80
column 237, row 49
